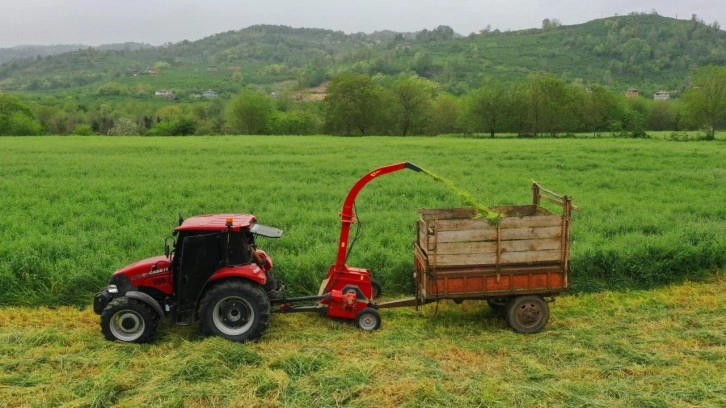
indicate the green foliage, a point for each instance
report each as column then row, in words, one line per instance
column 706, row 100
column 182, row 126
column 83, row 130
column 16, row 119
column 296, row 122
column 19, row 124
column 635, row 118
column 602, row 109
column 124, row 127
column 250, row 113
column 353, row 104
column 488, row 107
column 412, row 99
column 445, row 116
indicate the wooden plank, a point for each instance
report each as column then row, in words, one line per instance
column 464, row 236
column 504, row 258
column 550, row 192
column 447, row 213
column 521, row 210
column 510, row 222
column 491, row 235
column 453, row 248
column 532, row 221
column 553, row 200
column 530, row 256
column 422, row 234
column 531, row 233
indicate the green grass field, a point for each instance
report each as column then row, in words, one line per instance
column 75, row 209
column 637, row 330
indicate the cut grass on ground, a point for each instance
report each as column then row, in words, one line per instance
column 663, row 347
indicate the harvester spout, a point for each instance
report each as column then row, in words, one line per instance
column 347, row 215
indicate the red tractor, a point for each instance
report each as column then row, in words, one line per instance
column 212, row 271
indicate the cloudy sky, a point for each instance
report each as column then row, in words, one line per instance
column 95, row 22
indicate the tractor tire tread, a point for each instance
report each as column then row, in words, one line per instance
column 253, row 293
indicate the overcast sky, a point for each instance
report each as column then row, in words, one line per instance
column 95, row 22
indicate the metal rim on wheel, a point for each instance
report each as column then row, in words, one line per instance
column 127, row 325
column 233, row 315
column 528, row 314
column 368, row 321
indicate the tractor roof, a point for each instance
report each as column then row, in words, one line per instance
column 217, row 222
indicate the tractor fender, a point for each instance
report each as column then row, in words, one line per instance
column 250, row 271
column 134, row 294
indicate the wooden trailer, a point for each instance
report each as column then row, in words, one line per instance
column 514, row 265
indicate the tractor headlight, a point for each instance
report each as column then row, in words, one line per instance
column 112, row 289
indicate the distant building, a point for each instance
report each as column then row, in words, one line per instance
column 164, row 93
column 661, row 96
column 632, row 93
column 209, row 94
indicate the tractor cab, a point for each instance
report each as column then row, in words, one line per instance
column 211, row 247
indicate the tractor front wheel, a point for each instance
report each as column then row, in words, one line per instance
column 129, row 320
column 236, row 310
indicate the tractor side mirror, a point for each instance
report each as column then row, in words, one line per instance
column 167, row 246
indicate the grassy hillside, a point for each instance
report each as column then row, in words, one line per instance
column 659, row 348
column 649, row 52
column 77, row 208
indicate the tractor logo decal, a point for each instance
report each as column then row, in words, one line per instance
column 158, row 271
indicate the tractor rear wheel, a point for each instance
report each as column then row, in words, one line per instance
column 129, row 320
column 527, row 314
column 236, row 310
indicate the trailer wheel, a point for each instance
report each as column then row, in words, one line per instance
column 236, row 310
column 376, row 289
column 527, row 314
column 129, row 320
column 368, row 319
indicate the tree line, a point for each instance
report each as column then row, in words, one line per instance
column 360, row 104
